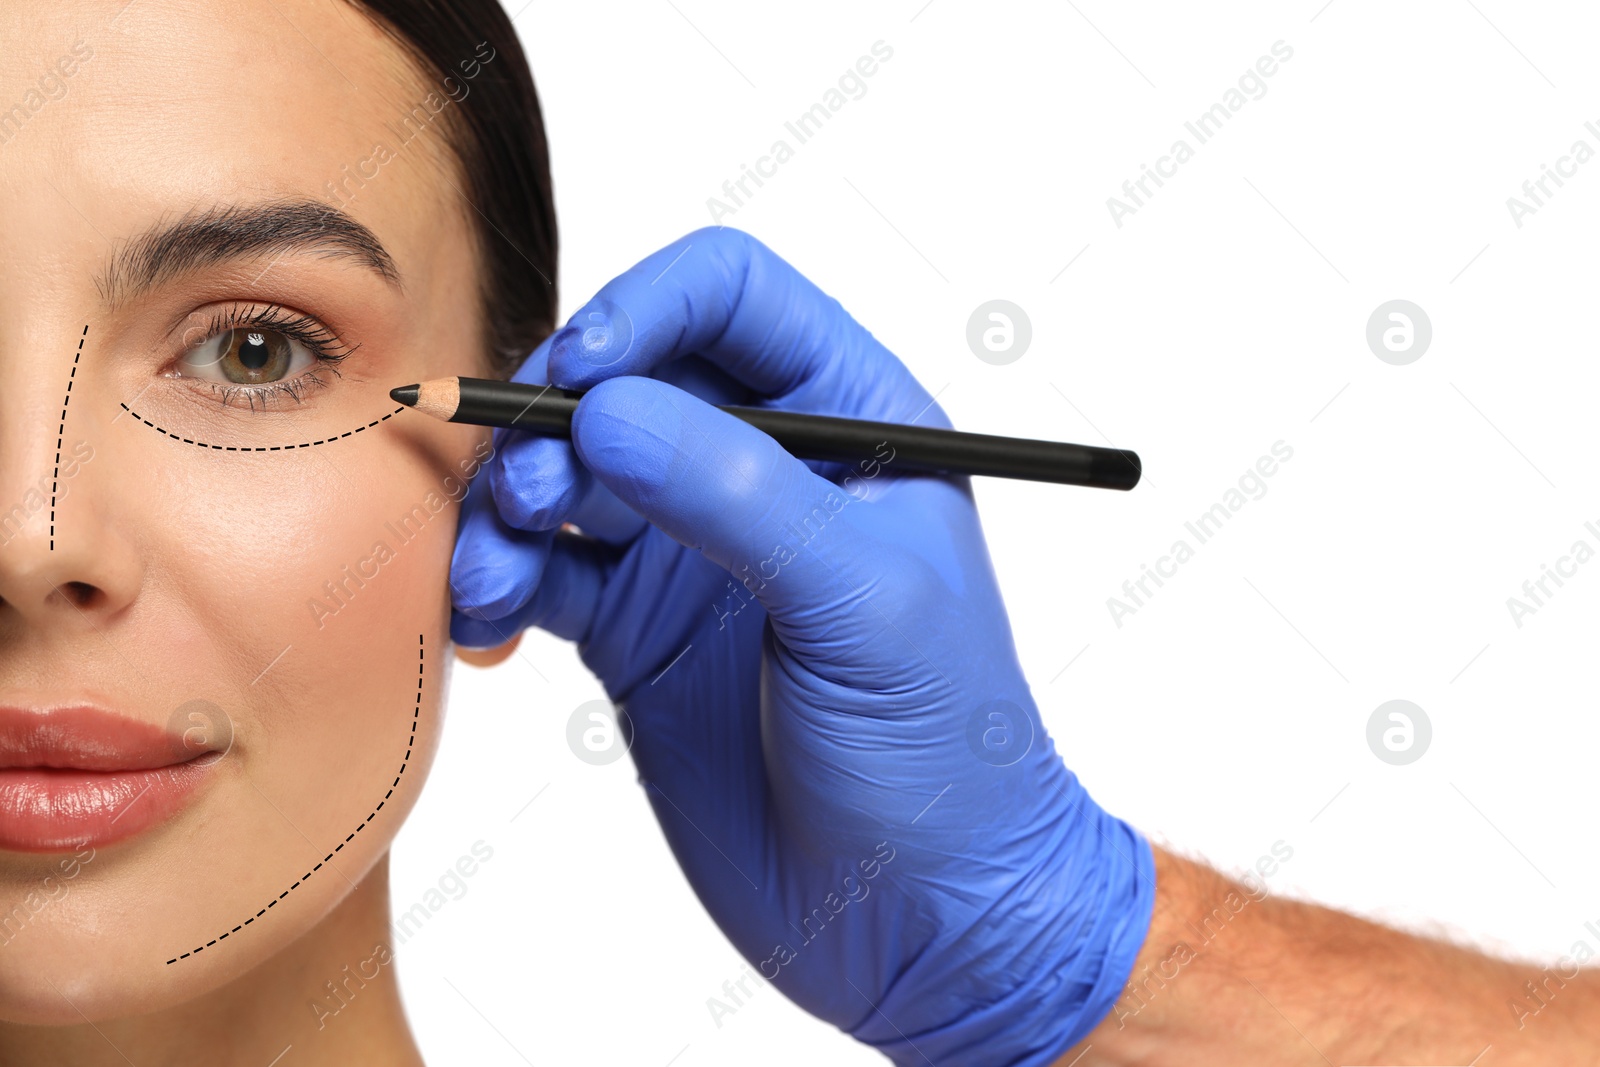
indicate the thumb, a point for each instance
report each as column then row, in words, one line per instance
column 801, row 545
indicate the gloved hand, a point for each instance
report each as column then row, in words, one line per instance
column 827, row 710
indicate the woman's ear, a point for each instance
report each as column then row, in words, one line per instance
column 488, row 657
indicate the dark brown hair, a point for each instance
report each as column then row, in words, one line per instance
column 498, row 139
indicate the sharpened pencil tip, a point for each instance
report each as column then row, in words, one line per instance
column 405, row 394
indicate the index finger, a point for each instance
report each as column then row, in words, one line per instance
column 722, row 294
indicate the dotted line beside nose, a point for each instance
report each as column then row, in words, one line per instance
column 61, row 433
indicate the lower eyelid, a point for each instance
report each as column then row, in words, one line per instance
column 283, row 394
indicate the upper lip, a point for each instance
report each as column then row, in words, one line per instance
column 85, row 738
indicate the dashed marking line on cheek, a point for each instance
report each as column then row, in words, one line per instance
column 61, row 433
column 259, row 448
column 411, row 740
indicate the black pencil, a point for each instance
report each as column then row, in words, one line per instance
column 548, row 411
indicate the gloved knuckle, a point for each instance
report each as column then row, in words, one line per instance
column 523, row 494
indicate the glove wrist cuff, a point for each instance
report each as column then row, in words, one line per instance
column 1075, row 980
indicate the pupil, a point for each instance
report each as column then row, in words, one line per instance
column 253, row 353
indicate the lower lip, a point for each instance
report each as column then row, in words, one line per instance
column 46, row 809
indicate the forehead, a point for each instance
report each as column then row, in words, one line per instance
column 121, row 112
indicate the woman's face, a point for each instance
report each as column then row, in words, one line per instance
column 223, row 622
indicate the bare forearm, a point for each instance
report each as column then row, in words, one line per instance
column 1229, row 977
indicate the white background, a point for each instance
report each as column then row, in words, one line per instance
column 1227, row 314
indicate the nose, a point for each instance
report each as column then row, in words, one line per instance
column 67, row 558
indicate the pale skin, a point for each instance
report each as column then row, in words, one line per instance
column 180, row 573
column 176, row 573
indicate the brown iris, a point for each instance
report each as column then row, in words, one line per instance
column 251, row 355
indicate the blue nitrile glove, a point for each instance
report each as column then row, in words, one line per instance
column 827, row 710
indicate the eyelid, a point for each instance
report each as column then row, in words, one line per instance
column 307, row 329
column 324, row 345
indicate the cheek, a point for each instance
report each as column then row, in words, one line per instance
column 306, row 596
column 310, row 579
column 272, row 551
column 317, row 552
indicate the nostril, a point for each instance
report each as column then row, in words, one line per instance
column 80, row 593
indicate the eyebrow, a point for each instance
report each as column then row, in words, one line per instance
column 218, row 235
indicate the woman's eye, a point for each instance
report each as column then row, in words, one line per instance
column 248, row 355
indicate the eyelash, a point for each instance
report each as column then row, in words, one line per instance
column 320, row 341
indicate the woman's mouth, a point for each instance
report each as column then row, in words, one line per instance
column 81, row 776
